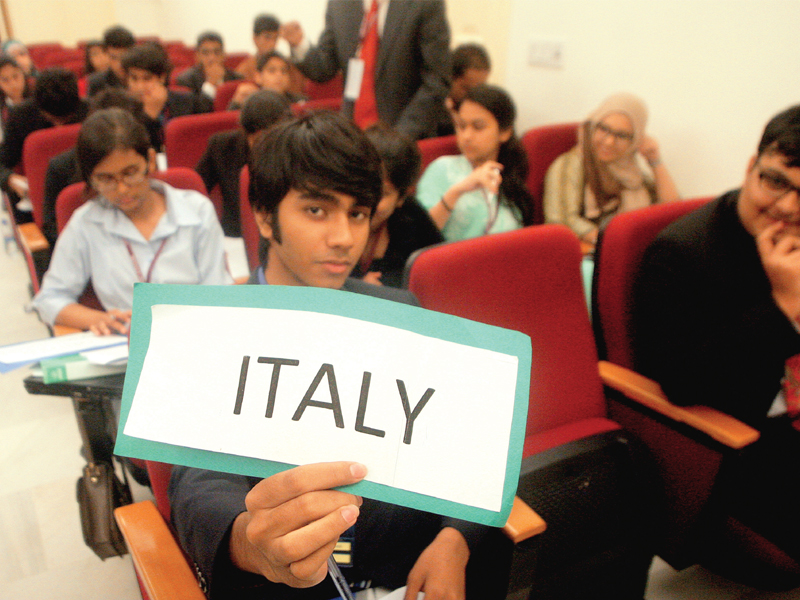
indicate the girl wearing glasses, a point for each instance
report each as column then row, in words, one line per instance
column 602, row 176
column 482, row 190
column 134, row 229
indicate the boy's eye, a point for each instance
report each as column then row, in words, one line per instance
column 360, row 215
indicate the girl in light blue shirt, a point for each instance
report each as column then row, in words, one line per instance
column 134, row 229
column 483, row 189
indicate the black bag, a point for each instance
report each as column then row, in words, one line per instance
column 99, row 492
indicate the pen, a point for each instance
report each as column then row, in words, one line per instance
column 339, row 581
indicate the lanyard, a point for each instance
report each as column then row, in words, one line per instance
column 493, row 206
column 152, row 263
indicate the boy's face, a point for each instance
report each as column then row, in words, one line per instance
column 115, row 60
column 141, row 83
column 274, row 76
column 317, row 240
column 210, row 53
column 265, row 41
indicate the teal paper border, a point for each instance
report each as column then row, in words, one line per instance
column 334, row 302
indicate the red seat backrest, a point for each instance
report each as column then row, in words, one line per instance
column 250, row 232
column 433, row 148
column 330, row 89
column 159, row 474
column 617, row 258
column 225, row 94
column 233, row 59
column 543, row 145
column 528, row 280
column 39, row 147
column 186, row 138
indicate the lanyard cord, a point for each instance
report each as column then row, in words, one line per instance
column 152, row 263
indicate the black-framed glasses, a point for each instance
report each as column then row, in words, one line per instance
column 131, row 177
column 775, row 184
column 619, row 136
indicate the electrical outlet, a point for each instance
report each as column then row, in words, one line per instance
column 546, row 53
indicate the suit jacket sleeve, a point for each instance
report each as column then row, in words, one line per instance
column 204, row 505
column 323, row 61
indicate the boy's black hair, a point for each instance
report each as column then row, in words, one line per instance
column 118, row 37
column 782, row 136
column 209, row 36
column 262, row 60
column 470, row 56
column 400, row 156
column 150, row 57
column 264, row 23
column 56, row 92
column 319, row 152
column 263, row 109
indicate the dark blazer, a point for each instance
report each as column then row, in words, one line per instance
column 194, row 78
column 225, row 155
column 178, row 104
column 413, row 70
column 100, row 80
column 62, row 170
column 410, row 228
column 706, row 326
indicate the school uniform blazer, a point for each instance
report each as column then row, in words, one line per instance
column 225, row 155
column 412, row 75
column 707, row 328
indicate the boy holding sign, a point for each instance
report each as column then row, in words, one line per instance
column 315, row 183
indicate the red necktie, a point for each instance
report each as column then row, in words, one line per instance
column 365, row 111
column 791, row 385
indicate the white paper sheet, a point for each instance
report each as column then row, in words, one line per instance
column 458, row 447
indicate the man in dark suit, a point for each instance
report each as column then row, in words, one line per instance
column 227, row 152
column 717, row 315
column 412, row 74
column 315, row 182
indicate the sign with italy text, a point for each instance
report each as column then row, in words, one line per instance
column 257, row 379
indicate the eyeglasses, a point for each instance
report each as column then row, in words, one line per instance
column 106, row 182
column 619, row 136
column 775, row 184
column 210, row 51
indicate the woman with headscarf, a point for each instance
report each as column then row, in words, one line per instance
column 602, row 175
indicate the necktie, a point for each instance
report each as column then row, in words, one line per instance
column 791, row 385
column 365, row 112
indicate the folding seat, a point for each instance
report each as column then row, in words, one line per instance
column 543, row 145
column 581, row 472
column 689, row 443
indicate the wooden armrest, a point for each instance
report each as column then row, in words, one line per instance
column 64, row 330
column 32, row 238
column 718, row 425
column 161, row 565
column 523, row 522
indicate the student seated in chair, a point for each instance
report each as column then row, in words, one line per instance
column 135, row 229
column 147, row 68
column 717, row 316
column 315, row 182
column 227, row 152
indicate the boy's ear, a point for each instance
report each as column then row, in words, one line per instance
column 264, row 222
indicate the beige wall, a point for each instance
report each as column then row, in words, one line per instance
column 711, row 71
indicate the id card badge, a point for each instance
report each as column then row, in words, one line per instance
column 355, row 73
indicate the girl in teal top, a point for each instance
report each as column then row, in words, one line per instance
column 482, row 190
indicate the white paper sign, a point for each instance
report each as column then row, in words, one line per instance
column 423, row 414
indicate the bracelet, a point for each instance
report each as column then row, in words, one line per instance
column 445, row 205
